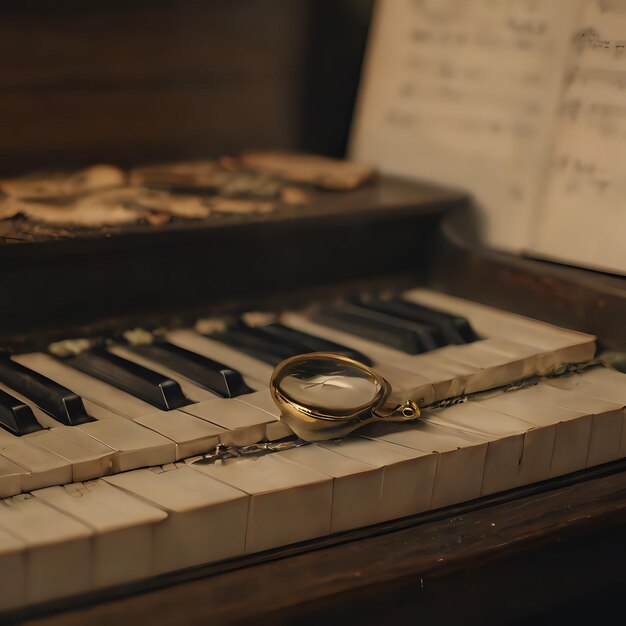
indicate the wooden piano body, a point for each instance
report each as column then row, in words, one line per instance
column 550, row 552
column 498, row 556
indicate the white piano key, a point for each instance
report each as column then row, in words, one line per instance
column 449, row 378
column 12, row 572
column 12, row 477
column 606, row 375
column 289, row 502
column 602, row 383
column 357, row 486
column 559, row 345
column 606, row 420
column 408, row 474
column 451, row 370
column 252, row 369
column 206, row 518
column 190, row 389
column 124, row 444
column 460, row 457
column 573, row 428
column 135, row 445
column 122, row 525
column 531, row 355
column 87, row 387
column 277, row 430
column 516, row 449
column 494, row 368
column 242, row 424
column 89, row 458
column 57, row 548
column 262, row 400
column 45, row 468
column 393, row 365
column 192, row 435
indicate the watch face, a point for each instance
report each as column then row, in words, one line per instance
column 331, row 385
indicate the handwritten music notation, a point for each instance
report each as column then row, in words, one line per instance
column 583, row 213
column 456, row 73
column 520, row 102
column 590, row 38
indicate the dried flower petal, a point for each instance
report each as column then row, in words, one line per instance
column 64, row 185
column 308, row 168
column 237, row 205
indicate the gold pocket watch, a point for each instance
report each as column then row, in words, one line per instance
column 322, row 395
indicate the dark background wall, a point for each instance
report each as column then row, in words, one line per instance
column 130, row 81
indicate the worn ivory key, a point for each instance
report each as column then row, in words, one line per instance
column 606, row 420
column 43, row 467
column 602, row 383
column 459, row 457
column 516, row 448
column 191, row 435
column 572, row 428
column 391, row 364
column 357, row 486
column 12, row 571
column 134, row 445
column 111, row 443
column 206, row 518
column 242, row 423
column 557, row 344
column 262, row 400
column 57, row 548
column 289, row 502
column 12, row 477
column 408, row 474
column 123, row 528
column 88, row 457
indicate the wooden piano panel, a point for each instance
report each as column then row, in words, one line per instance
column 146, row 80
column 580, row 299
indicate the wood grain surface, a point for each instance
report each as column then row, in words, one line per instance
column 134, row 81
column 580, row 299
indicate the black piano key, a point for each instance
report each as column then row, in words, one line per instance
column 257, row 344
column 275, row 342
column 395, row 333
column 311, row 343
column 16, row 417
column 430, row 334
column 150, row 386
column 210, row 374
column 58, row 401
column 402, row 309
column 453, row 326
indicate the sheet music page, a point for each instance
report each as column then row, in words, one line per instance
column 583, row 216
column 465, row 93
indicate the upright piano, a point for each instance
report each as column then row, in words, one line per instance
column 145, row 471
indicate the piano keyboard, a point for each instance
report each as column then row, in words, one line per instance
column 60, row 541
column 130, row 404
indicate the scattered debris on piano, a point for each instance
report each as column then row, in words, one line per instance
column 105, row 195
